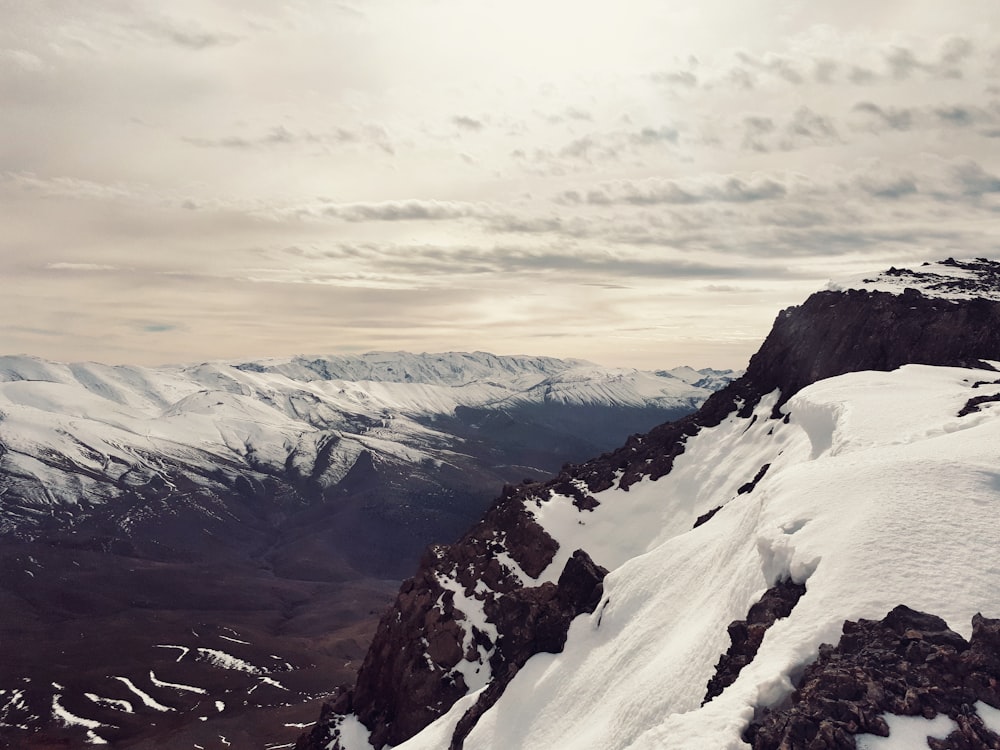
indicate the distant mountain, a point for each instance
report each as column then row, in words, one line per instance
column 184, row 537
column 806, row 562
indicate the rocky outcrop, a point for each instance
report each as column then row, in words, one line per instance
column 544, row 616
column 420, row 660
column 909, row 664
column 747, row 635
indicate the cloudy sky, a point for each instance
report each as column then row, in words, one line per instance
column 643, row 183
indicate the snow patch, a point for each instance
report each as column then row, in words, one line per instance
column 70, row 720
column 478, row 673
column 353, row 734
column 183, row 649
column 907, row 732
column 148, row 700
column 118, row 705
column 989, row 715
column 223, row 660
column 175, row 685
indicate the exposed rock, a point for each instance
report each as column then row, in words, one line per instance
column 706, row 517
column 907, row 664
column 747, row 635
column 973, row 404
column 579, row 590
column 409, row 676
column 749, row 486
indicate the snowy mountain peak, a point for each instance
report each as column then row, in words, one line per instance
column 445, row 368
column 947, row 279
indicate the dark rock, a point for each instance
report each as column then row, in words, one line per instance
column 706, row 517
column 749, row 486
column 408, row 677
column 747, row 635
column 908, row 664
column 579, row 590
column 973, row 404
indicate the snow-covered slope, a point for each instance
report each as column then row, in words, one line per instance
column 951, row 279
column 678, row 592
column 878, row 493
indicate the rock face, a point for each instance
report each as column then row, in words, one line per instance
column 464, row 618
column 467, row 608
column 908, row 664
column 747, row 635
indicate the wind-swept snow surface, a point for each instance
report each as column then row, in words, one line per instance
column 877, row 494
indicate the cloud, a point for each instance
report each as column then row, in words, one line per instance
column 411, row 210
column 755, row 130
column 684, row 78
column 877, row 119
column 903, row 62
column 467, row 123
column 653, row 136
column 861, row 75
column 777, row 66
column 888, row 186
column 23, row 59
column 65, row 266
column 888, row 118
column 724, row 189
column 282, row 136
column 975, row 181
column 425, row 262
column 184, row 36
column 809, row 127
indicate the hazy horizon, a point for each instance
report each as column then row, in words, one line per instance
column 642, row 185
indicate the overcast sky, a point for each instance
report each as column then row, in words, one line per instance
column 642, row 183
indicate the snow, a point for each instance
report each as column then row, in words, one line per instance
column 629, row 522
column 272, row 683
column 88, row 430
column 476, row 674
column 877, row 495
column 175, row 685
column 990, row 716
column 146, row 698
column 118, row 705
column 949, row 279
column 226, row 661
column 183, row 649
column 353, row 734
column 68, row 719
column 907, row 732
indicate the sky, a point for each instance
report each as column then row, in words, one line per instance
column 643, row 183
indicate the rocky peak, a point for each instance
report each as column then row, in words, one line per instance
column 475, row 611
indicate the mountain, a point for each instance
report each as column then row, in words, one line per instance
column 192, row 552
column 805, row 562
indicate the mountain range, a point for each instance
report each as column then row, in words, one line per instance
column 807, row 562
column 199, row 552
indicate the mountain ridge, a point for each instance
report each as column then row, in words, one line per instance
column 533, row 530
